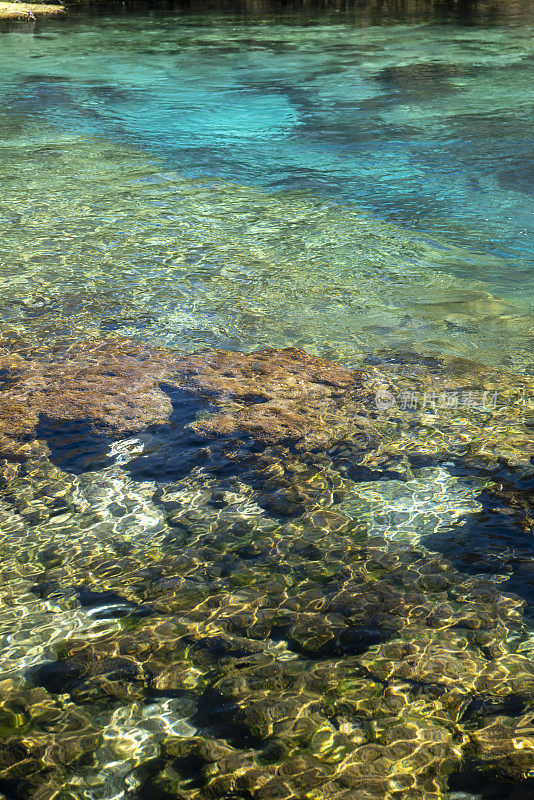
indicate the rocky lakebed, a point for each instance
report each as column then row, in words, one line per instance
column 313, row 583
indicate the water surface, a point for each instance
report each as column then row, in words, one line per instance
column 371, row 184
column 352, row 182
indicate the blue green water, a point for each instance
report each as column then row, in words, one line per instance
column 352, row 182
column 418, row 131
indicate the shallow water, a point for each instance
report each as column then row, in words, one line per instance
column 199, row 177
column 352, row 183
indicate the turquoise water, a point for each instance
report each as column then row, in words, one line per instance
column 189, row 622
column 387, row 167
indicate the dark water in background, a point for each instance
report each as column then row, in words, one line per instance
column 347, row 180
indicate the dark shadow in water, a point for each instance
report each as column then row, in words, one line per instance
column 492, row 541
column 490, row 785
column 495, row 540
column 80, row 445
column 420, row 81
column 519, row 177
column 511, row 706
column 75, row 445
column 172, row 450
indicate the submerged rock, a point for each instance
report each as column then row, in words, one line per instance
column 230, row 560
column 40, row 741
column 102, row 391
column 110, row 390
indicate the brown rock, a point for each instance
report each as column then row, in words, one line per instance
column 119, row 388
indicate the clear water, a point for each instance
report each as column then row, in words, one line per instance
column 198, row 177
column 348, row 182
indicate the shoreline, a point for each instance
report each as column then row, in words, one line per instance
column 16, row 10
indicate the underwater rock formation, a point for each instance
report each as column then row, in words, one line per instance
column 40, row 740
column 118, row 389
column 114, row 389
column 221, row 570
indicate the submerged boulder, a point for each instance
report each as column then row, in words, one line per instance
column 373, row 417
column 114, row 389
